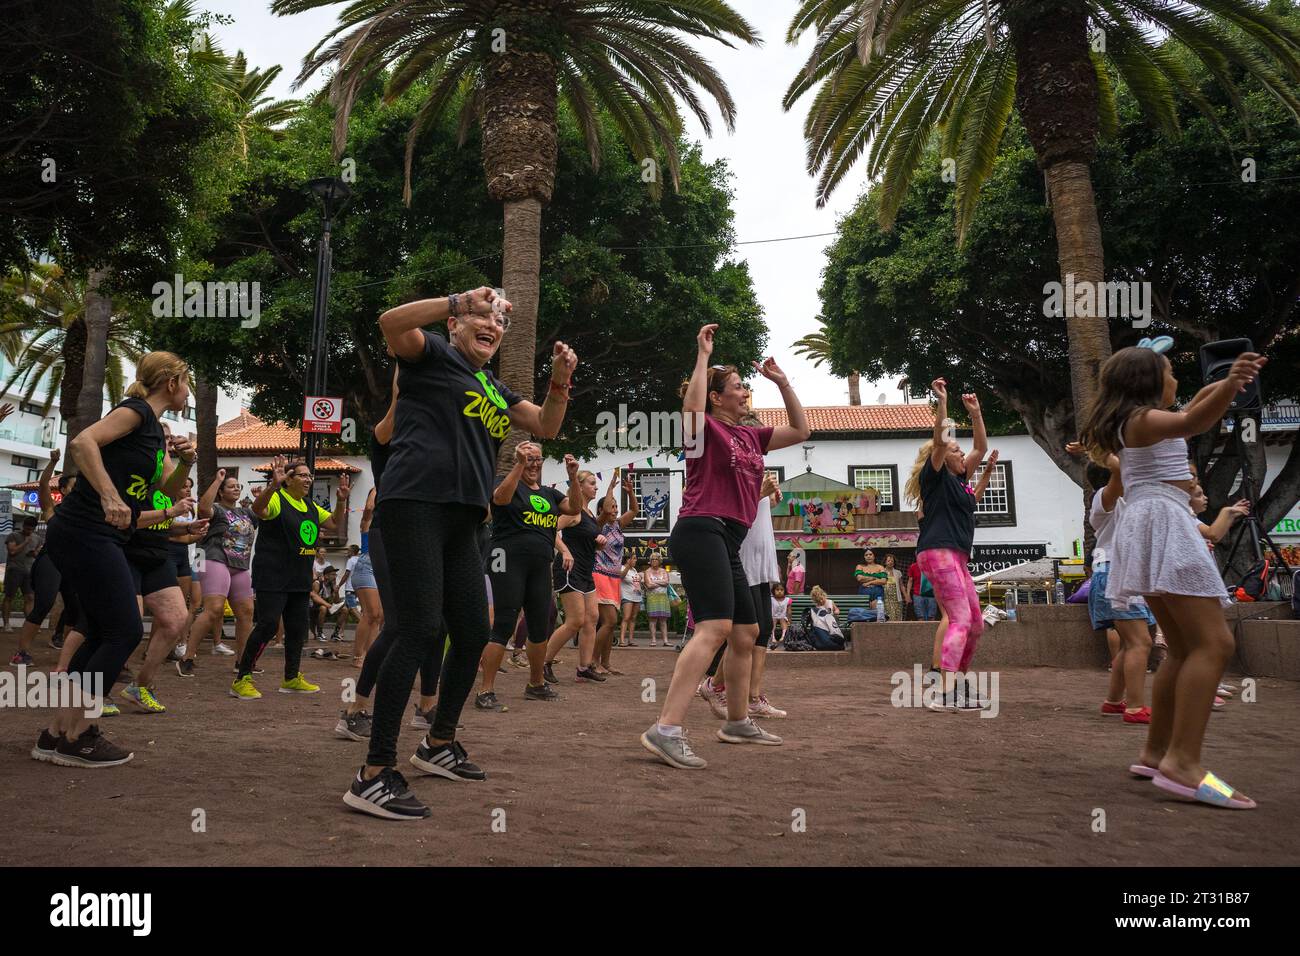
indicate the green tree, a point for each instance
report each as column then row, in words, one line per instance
column 623, row 272
column 890, row 75
column 816, row 347
column 43, row 335
column 1222, row 257
column 504, row 65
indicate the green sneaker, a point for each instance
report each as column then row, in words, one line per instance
column 110, row 709
column 243, row 689
column 299, row 685
column 143, row 698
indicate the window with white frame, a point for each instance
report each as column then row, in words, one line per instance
column 653, row 490
column 883, row 478
column 997, row 506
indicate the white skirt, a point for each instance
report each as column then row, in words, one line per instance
column 1162, row 551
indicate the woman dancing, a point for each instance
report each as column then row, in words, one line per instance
column 718, row 506
column 452, row 417
column 939, row 482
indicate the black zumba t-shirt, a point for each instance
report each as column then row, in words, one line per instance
column 949, row 505
column 134, row 464
column 451, row 421
column 528, row 522
column 286, row 544
column 149, row 546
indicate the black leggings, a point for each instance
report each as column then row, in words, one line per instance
column 95, row 569
column 45, row 588
column 436, row 572
column 270, row 607
column 763, row 605
column 707, row 552
column 379, row 649
column 524, row 584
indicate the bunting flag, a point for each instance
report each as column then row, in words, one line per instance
column 600, row 476
column 681, row 456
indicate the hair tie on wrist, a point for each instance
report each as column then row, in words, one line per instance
column 1160, row 344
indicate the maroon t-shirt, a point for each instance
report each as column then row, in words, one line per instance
column 724, row 480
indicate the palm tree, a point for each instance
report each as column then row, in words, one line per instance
column 43, row 334
column 255, row 113
column 890, row 73
column 816, row 347
column 508, row 62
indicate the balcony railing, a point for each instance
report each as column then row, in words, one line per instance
column 29, row 434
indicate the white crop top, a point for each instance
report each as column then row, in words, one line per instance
column 1166, row 460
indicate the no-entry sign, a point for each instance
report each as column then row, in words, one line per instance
column 322, row 415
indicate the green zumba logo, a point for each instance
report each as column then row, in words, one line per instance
column 540, row 504
column 490, row 390
column 307, row 531
column 160, row 501
column 157, row 471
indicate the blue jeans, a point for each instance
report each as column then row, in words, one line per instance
column 927, row 608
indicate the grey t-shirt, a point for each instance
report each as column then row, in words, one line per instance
column 22, row 558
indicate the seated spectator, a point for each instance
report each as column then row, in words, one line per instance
column 824, row 633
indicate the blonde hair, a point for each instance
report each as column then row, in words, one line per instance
column 912, row 490
column 818, row 595
column 153, row 372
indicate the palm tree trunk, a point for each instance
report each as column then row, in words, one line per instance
column 855, row 390
column 1057, row 100
column 519, row 157
column 90, row 401
column 205, row 413
column 521, row 278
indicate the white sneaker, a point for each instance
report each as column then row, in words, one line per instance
column 763, row 708
column 717, row 700
column 222, row 649
column 334, row 608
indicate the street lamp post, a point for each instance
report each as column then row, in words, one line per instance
column 333, row 194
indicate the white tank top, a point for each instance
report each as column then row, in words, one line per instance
column 1166, row 460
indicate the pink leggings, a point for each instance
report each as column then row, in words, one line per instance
column 947, row 571
column 234, row 584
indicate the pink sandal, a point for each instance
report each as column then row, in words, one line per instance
column 1212, row 790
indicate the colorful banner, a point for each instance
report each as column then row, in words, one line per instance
column 654, row 501
column 875, row 538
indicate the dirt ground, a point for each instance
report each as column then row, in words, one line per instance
column 871, row 784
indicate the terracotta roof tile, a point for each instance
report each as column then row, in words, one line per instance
column 858, row 418
column 324, row 466
column 249, row 435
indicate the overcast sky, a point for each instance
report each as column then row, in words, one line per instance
column 774, row 195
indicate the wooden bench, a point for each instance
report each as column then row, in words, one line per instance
column 845, row 602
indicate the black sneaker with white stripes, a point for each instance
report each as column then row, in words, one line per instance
column 386, row 796
column 446, row 760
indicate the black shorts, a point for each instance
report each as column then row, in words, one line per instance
column 576, row 580
column 707, row 552
column 153, row 576
column 180, row 558
column 17, row 580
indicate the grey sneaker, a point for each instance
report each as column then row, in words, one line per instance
column 487, row 701
column 674, row 751
column 353, row 726
column 746, row 732
column 421, row 719
column 541, row 692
